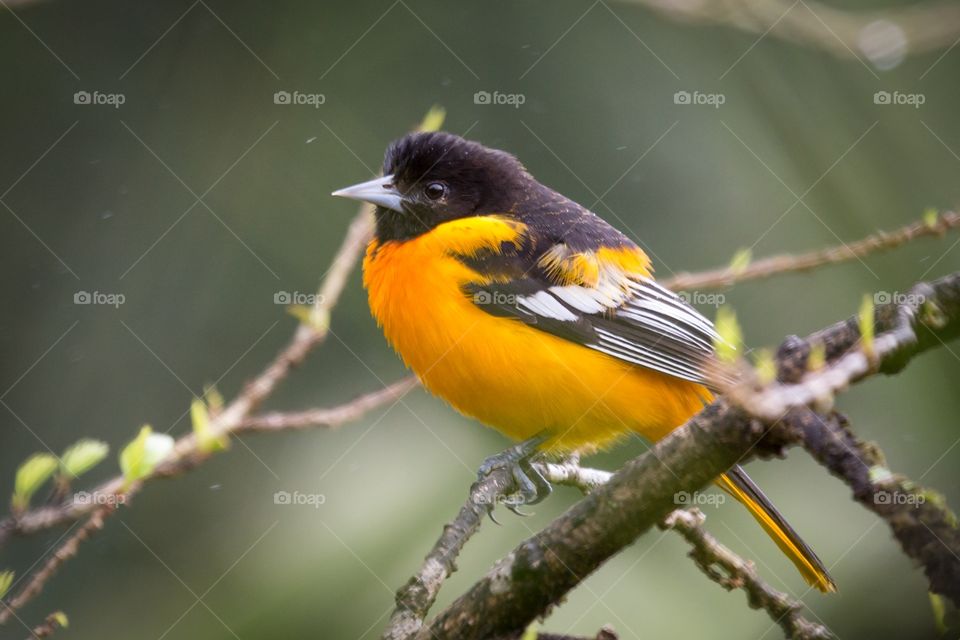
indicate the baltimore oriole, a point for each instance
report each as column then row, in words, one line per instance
column 530, row 313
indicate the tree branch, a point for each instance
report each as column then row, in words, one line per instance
column 787, row 263
column 708, row 553
column 49, row 626
column 419, row 594
column 845, row 34
column 527, row 583
column 331, row 418
column 66, row 551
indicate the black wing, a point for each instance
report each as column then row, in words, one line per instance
column 614, row 310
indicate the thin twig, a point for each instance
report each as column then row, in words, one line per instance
column 416, row 597
column 63, row 553
column 775, row 265
column 409, row 616
column 737, row 573
column 328, row 417
column 843, row 33
column 187, row 452
column 46, row 517
column 49, row 626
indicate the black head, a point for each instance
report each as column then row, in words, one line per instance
column 431, row 178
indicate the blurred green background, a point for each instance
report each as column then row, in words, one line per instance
column 105, row 205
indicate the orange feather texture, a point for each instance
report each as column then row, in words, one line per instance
column 508, row 375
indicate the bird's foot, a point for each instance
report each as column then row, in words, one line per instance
column 529, row 484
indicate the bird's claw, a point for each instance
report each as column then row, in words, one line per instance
column 531, row 487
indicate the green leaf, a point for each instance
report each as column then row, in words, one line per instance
column 213, row 398
column 81, row 457
column 731, row 338
column 139, row 458
column 865, row 320
column 765, row 365
column 206, row 440
column 317, row 319
column 433, row 121
column 6, row 581
column 30, row 476
column 741, row 260
column 931, row 217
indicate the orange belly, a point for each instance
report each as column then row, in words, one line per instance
column 514, row 378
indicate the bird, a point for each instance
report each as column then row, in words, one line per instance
column 530, row 313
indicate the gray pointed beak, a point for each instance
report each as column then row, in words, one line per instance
column 379, row 191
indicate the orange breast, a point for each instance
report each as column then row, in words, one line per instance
column 517, row 379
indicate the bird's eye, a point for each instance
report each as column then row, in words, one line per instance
column 435, row 190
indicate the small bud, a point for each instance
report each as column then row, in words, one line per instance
column 939, row 613
column 6, row 581
column 531, row 632
column 879, row 474
column 433, row 121
column 213, row 398
column 931, row 217
column 741, row 260
column 866, row 322
column 932, row 315
column 206, row 440
column 730, row 335
column 316, row 319
column 818, row 357
column 61, row 619
column 139, row 458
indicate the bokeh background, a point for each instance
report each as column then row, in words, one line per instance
column 105, row 199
